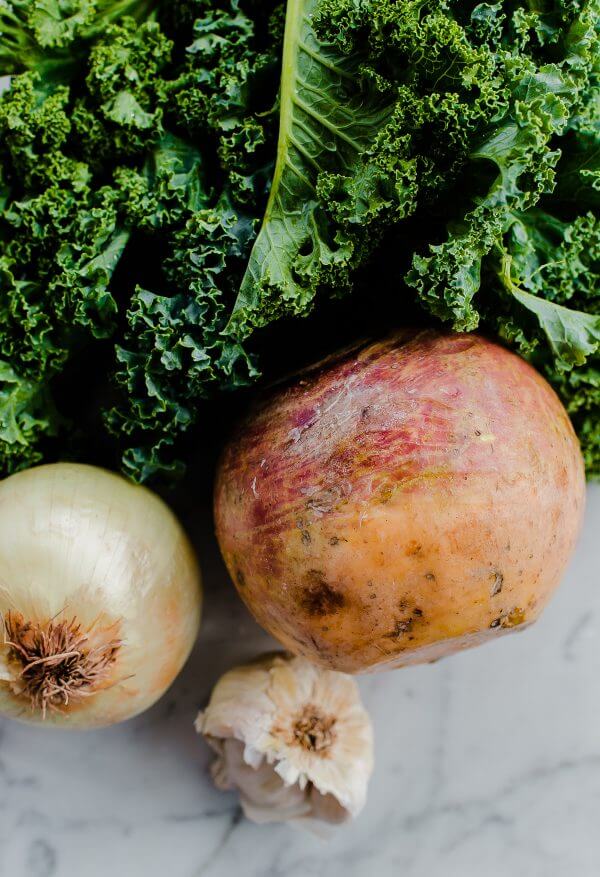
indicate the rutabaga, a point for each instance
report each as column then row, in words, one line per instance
column 412, row 497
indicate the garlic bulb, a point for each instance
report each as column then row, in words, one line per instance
column 292, row 738
column 99, row 596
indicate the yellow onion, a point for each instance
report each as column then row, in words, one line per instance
column 100, row 596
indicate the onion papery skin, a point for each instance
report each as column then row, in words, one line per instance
column 84, row 545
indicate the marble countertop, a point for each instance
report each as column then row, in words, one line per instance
column 488, row 763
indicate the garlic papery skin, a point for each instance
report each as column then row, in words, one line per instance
column 100, row 596
column 293, row 739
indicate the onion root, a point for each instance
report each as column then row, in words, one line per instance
column 57, row 663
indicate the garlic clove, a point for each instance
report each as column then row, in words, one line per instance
column 293, row 739
column 260, row 788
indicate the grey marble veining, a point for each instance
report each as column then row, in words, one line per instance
column 488, row 764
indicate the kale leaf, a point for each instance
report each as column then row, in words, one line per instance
column 133, row 174
column 468, row 136
column 177, row 177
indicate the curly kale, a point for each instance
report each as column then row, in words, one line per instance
column 50, row 35
column 467, row 137
column 205, row 206
column 130, row 187
column 176, row 177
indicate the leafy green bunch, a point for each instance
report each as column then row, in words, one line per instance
column 142, row 163
column 175, row 178
column 457, row 145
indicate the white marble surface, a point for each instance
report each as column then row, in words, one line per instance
column 488, row 765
